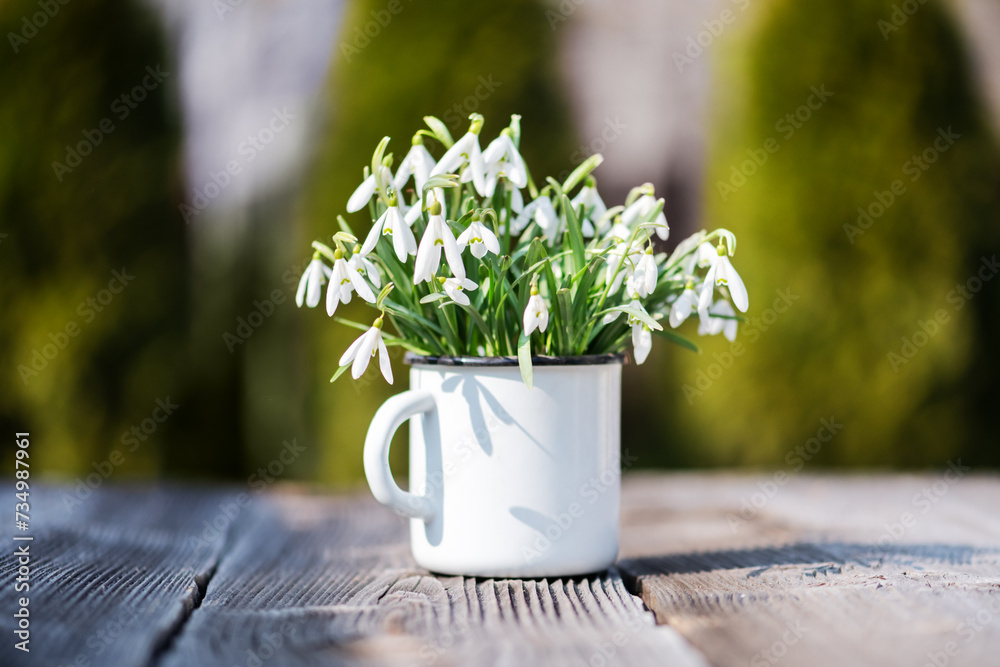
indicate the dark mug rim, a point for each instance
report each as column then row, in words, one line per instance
column 413, row 359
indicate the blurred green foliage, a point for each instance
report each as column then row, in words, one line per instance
column 826, row 355
column 861, row 288
column 447, row 59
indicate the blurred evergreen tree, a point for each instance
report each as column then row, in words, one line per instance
column 866, row 286
column 96, row 287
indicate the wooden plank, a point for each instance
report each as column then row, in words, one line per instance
column 820, row 570
column 313, row 580
column 112, row 577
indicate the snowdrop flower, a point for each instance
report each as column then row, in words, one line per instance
column 365, row 267
column 479, row 238
column 363, row 194
column 643, row 279
column 343, row 280
column 436, row 237
column 502, row 159
column 391, row 223
column 455, row 288
column 594, row 207
column 642, row 342
column 418, row 163
column 464, row 150
column 641, row 208
column 723, row 273
column 364, row 348
column 311, row 284
column 684, row 306
column 712, row 325
column 543, row 213
column 536, row 313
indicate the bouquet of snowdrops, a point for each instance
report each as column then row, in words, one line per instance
column 560, row 275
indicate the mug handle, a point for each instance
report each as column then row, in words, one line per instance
column 387, row 419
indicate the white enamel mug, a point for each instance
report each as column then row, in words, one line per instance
column 506, row 481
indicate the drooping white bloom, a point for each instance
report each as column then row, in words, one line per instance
column 501, row 158
column 364, row 348
column 594, row 208
column 710, row 325
column 456, row 287
column 642, row 342
column 437, row 236
column 480, row 239
column 536, row 313
column 643, row 280
column 683, row 306
column 311, row 284
column 543, row 213
column 411, row 214
column 343, row 280
column 723, row 273
column 363, row 194
column 365, row 267
column 418, row 163
column 465, row 150
column 391, row 222
column 641, row 208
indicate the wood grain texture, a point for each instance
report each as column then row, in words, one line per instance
column 870, row 570
column 113, row 577
column 325, row 581
column 815, row 570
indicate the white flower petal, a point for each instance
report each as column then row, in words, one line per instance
column 642, row 342
column 383, row 360
column 362, row 195
column 364, row 353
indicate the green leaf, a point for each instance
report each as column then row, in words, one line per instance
column 566, row 314
column 678, row 339
column 377, row 162
column 575, row 234
column 344, row 227
column 340, row 371
column 440, row 130
column 324, row 249
column 441, row 181
column 433, row 296
column 582, row 171
column 524, row 359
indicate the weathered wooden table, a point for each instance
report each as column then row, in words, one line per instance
column 717, row 569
